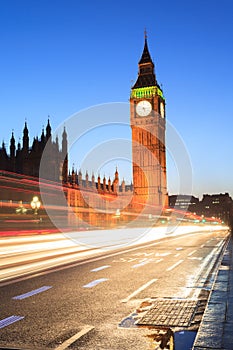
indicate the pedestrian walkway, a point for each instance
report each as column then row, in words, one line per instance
column 216, row 329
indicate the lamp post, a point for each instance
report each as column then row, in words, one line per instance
column 35, row 204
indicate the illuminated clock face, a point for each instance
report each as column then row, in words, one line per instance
column 143, row 108
column 162, row 111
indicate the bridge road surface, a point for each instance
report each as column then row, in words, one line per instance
column 80, row 307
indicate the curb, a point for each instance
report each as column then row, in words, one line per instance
column 215, row 331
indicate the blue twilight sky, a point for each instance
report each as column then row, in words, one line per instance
column 59, row 57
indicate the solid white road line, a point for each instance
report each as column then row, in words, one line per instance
column 176, row 264
column 139, row 290
column 75, row 337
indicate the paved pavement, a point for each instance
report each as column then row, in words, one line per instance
column 216, row 330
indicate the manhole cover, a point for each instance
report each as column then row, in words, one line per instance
column 170, row 313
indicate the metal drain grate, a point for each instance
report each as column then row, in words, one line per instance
column 170, row 313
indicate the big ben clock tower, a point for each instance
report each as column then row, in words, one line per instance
column 148, row 121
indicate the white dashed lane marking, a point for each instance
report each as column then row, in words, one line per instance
column 139, row 290
column 158, row 261
column 194, row 251
column 163, row 254
column 175, row 265
column 86, row 329
column 33, row 292
column 94, row 283
column 100, row 268
column 140, row 264
column 9, row 320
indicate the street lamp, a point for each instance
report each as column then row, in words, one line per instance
column 35, row 204
column 118, row 213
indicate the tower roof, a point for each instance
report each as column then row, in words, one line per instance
column 146, row 58
column 146, row 74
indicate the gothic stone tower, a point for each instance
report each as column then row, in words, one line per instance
column 147, row 119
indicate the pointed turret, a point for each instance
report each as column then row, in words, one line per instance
column 48, row 130
column 93, row 180
column 104, row 184
column 25, row 130
column 116, row 182
column 99, row 184
column 87, row 179
column 3, row 151
column 116, row 175
column 12, row 146
column 64, row 142
column 109, row 184
column 64, row 156
column 25, row 138
column 73, row 177
column 42, row 138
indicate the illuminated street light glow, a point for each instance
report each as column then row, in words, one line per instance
column 35, row 204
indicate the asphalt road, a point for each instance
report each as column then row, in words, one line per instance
column 80, row 307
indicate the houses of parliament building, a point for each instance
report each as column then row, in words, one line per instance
column 26, row 160
column 20, row 167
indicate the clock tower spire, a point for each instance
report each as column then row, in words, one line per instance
column 147, row 118
column 146, row 71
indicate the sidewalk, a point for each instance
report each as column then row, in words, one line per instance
column 216, row 330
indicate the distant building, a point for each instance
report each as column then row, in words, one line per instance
column 217, row 205
column 183, row 202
